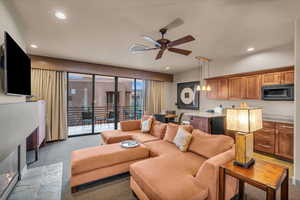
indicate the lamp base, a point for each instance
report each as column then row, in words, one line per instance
column 244, row 165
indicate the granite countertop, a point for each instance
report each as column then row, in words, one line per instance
column 289, row 121
column 205, row 114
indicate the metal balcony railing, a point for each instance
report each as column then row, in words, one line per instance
column 80, row 116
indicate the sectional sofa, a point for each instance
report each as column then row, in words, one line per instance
column 161, row 171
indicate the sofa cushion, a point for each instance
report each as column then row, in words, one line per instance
column 172, row 131
column 130, row 125
column 143, row 137
column 161, row 147
column 114, row 136
column 84, row 160
column 182, row 139
column 210, row 145
column 177, row 173
column 158, row 129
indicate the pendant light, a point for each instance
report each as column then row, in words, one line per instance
column 199, row 86
column 203, row 62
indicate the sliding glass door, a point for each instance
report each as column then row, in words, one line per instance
column 105, row 100
column 98, row 103
column 80, row 104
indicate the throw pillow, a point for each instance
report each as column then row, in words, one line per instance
column 172, row 131
column 158, row 129
column 182, row 139
column 146, row 125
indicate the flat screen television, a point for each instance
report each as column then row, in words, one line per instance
column 16, row 68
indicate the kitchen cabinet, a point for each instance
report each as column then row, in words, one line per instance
column 247, row 85
column 264, row 139
column 219, row 89
column 253, row 87
column 271, row 78
column 287, row 77
column 236, row 88
column 285, row 138
column 213, row 84
column 223, row 89
column 275, row 139
column 208, row 122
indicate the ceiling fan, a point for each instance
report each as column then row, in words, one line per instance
column 163, row 43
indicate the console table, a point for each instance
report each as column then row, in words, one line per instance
column 264, row 175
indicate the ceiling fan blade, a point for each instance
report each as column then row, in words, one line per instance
column 182, row 40
column 159, row 55
column 175, row 23
column 140, row 48
column 149, row 39
column 180, row 51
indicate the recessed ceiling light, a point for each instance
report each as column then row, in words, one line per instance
column 250, row 49
column 167, row 68
column 34, row 46
column 60, row 15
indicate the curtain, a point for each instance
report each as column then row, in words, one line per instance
column 51, row 87
column 155, row 96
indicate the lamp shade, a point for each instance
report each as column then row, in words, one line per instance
column 244, row 120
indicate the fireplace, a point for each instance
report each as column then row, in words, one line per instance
column 9, row 173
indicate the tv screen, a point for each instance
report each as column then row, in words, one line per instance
column 17, row 68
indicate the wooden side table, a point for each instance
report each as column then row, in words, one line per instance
column 264, row 175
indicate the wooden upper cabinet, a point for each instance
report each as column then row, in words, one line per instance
column 236, row 88
column 219, row 89
column 247, row 85
column 213, row 84
column 287, row 77
column 223, row 89
column 271, row 78
column 253, row 87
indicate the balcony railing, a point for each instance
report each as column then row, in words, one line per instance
column 80, row 116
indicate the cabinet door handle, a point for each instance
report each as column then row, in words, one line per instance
column 283, row 126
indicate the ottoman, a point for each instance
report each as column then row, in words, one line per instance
column 94, row 163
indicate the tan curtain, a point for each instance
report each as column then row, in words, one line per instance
column 51, row 87
column 155, row 96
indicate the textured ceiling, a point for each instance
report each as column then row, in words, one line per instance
column 101, row 31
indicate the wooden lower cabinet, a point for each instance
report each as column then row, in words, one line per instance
column 276, row 139
column 285, row 138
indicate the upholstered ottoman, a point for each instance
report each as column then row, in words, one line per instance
column 99, row 162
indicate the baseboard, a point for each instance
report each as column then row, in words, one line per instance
column 295, row 181
column 24, row 171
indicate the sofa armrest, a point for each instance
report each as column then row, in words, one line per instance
column 130, row 125
column 208, row 176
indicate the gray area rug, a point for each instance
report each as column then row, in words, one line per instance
column 40, row 183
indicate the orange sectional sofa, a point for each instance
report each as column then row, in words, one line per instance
column 165, row 173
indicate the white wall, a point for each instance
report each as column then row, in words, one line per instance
column 274, row 58
column 8, row 23
column 297, row 110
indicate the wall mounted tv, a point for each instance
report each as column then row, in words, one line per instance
column 16, row 68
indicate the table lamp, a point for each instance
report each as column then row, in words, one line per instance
column 244, row 121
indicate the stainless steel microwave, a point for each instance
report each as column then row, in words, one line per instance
column 278, row 92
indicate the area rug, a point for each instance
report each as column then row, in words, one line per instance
column 40, row 183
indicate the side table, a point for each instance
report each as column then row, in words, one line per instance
column 263, row 175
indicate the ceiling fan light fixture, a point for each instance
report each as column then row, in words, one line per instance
column 198, row 88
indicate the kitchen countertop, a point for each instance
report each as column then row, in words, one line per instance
column 205, row 114
column 289, row 121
